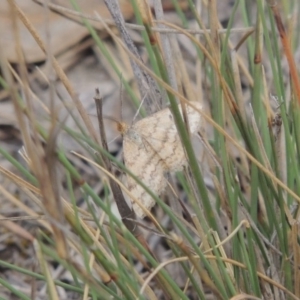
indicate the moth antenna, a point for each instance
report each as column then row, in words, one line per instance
column 139, row 108
column 113, row 139
column 111, row 119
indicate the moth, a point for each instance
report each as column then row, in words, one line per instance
column 151, row 149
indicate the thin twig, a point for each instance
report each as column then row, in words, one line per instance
column 147, row 86
column 126, row 213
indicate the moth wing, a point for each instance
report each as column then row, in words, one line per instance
column 144, row 163
column 195, row 119
column 151, row 147
column 160, row 132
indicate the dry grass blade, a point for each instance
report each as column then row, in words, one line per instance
column 70, row 12
column 44, row 266
column 41, row 162
column 60, row 73
column 286, row 47
column 15, row 228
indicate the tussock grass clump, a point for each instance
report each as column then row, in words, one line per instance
column 226, row 227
